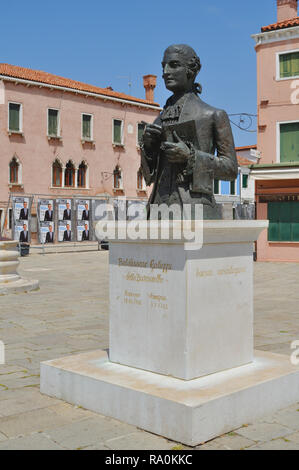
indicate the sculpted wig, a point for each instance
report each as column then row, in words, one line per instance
column 190, row 59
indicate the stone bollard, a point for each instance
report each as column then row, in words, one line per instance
column 10, row 280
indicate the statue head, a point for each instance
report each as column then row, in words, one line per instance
column 180, row 65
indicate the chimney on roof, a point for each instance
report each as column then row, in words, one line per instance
column 149, row 83
column 287, row 10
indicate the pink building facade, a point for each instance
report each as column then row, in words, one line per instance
column 62, row 138
column 277, row 174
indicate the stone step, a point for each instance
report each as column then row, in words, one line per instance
column 64, row 247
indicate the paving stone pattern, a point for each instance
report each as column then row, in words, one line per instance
column 69, row 314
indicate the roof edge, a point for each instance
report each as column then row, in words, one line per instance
column 83, row 88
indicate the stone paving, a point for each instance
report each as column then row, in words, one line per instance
column 69, row 314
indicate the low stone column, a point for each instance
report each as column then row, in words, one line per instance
column 10, row 280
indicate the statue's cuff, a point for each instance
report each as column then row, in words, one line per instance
column 144, row 152
column 191, row 160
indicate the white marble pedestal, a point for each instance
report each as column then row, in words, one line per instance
column 10, row 281
column 181, row 360
column 180, row 312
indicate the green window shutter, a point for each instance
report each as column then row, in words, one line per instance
column 117, row 131
column 14, row 117
column 52, row 122
column 285, row 212
column 285, row 232
column 273, row 232
column 285, row 66
column 140, row 131
column 283, row 221
column 233, row 187
column 296, row 63
column 216, row 186
column 289, row 142
column 289, row 65
column 86, row 126
column 295, row 221
column 244, row 181
column 273, row 216
column 295, row 232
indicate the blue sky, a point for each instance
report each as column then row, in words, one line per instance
column 110, row 43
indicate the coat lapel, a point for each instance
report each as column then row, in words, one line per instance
column 190, row 104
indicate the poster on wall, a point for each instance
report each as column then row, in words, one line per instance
column 46, row 210
column 83, row 209
column 83, row 233
column 21, row 218
column 21, row 231
column 64, row 231
column 46, row 232
column 64, row 209
column 21, row 208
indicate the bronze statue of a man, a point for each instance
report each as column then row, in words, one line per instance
column 178, row 149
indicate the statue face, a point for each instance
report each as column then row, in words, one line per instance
column 175, row 73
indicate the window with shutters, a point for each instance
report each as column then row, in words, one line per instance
column 232, row 189
column 289, row 65
column 117, row 137
column 117, row 178
column 140, row 130
column 245, row 181
column 216, row 186
column 87, row 127
column 53, row 123
column 14, row 117
column 14, row 171
column 283, row 221
column 56, row 174
column 69, row 174
column 81, row 176
column 289, row 142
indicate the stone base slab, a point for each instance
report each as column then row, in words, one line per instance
column 190, row 412
column 19, row 286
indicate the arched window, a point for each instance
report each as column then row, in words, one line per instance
column 56, row 174
column 69, row 174
column 81, row 179
column 14, row 171
column 140, row 180
column 117, row 178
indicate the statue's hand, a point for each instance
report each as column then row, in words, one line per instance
column 176, row 152
column 152, row 137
